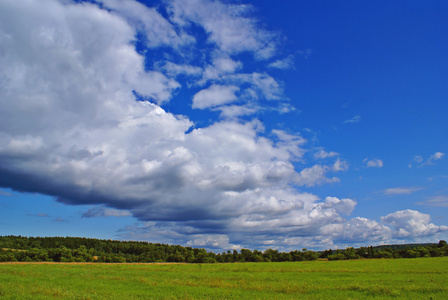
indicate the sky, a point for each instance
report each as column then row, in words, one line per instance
column 225, row 124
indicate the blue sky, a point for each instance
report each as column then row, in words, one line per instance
column 225, row 124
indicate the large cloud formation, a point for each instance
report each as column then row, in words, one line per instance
column 81, row 119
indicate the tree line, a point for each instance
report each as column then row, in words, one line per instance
column 74, row 249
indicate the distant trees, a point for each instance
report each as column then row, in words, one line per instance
column 395, row 251
column 70, row 249
column 60, row 254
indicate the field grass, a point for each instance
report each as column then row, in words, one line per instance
column 421, row 278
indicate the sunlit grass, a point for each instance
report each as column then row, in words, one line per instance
column 422, row 278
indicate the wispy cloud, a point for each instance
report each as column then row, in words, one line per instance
column 41, row 215
column 305, row 53
column 401, row 190
column 434, row 157
column 419, row 161
column 5, row 193
column 355, row 119
column 97, row 212
column 436, row 201
column 60, row 220
column 283, row 64
column 227, row 25
column 173, row 69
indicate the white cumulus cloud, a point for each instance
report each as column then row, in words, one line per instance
column 81, row 120
column 373, row 163
column 215, row 95
column 408, row 223
column 322, row 154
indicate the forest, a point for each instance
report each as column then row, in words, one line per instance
column 76, row 249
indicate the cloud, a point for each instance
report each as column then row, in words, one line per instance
column 418, row 160
column 220, row 69
column 158, row 30
column 401, row 190
column 41, row 215
column 5, row 193
column 212, row 241
column 253, row 88
column 358, row 231
column 342, row 206
column 60, row 220
column 398, row 227
column 436, row 201
column 173, row 69
column 283, row 64
column 227, row 26
column 411, row 223
column 267, row 85
column 305, row 53
column 230, row 30
column 322, row 154
column 82, row 120
column 105, row 212
column 315, row 175
column 340, row 165
column 374, row 163
column 355, row 119
column 284, row 108
column 436, row 156
column 236, row 111
column 215, row 95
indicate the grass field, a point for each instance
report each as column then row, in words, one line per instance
column 421, row 278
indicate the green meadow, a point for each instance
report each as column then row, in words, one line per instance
column 419, row 278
